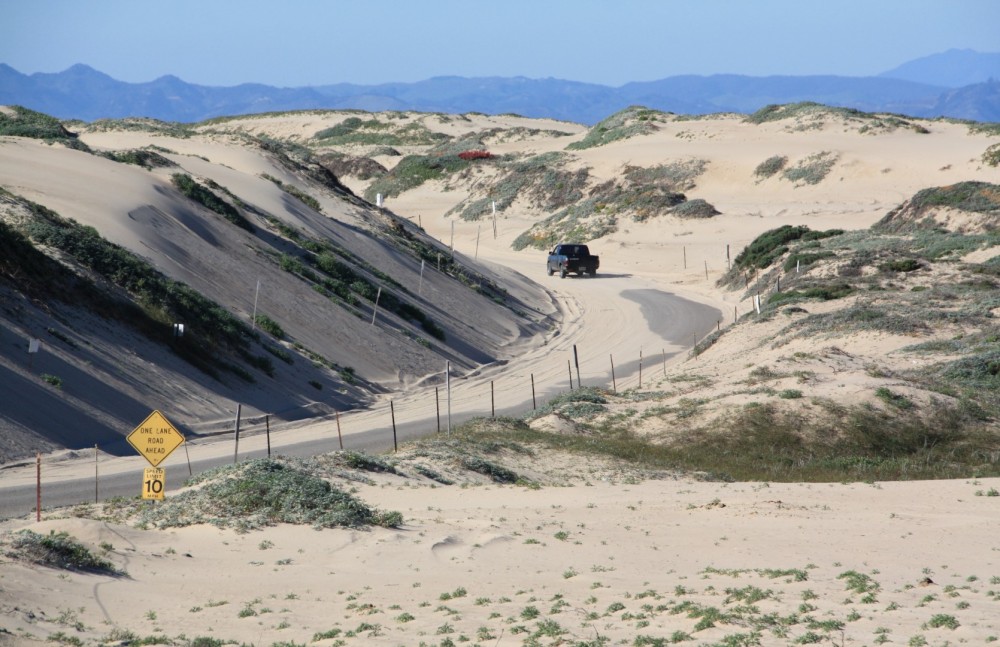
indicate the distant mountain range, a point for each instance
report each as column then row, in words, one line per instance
column 961, row 84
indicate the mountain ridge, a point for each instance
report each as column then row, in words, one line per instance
column 919, row 88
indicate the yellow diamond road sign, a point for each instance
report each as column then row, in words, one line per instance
column 155, row 438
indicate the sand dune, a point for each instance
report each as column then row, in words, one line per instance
column 598, row 554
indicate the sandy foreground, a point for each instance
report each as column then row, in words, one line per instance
column 603, row 556
column 597, row 555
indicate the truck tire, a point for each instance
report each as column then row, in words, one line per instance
column 549, row 270
column 593, row 271
column 562, row 273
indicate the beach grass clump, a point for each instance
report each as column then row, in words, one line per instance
column 411, row 172
column 810, row 115
column 543, row 180
column 205, row 197
column 917, row 215
column 631, row 122
column 770, row 167
column 148, row 159
column 58, row 550
column 991, row 156
column 695, row 208
column 37, row 125
column 296, row 192
column 367, row 462
column 577, row 223
column 268, row 325
column 800, row 258
column 374, row 132
column 976, row 197
column 768, row 247
column 497, row 473
column 676, row 176
column 812, row 169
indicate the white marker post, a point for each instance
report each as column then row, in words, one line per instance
column 378, row 200
column 375, row 309
column 33, row 346
column 447, row 381
column 253, row 322
column 420, row 288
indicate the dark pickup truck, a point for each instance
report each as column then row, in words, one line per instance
column 567, row 257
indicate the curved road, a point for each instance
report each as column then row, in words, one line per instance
column 610, row 317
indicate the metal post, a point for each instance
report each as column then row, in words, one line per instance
column 267, row 422
column 437, row 406
column 576, row 360
column 392, row 411
column 534, row 405
column 236, row 453
column 569, row 369
column 448, row 385
column 340, row 437
column 640, row 368
column 493, row 406
column 614, row 384
column 38, row 486
column 96, row 476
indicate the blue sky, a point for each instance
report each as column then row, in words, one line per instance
column 310, row 42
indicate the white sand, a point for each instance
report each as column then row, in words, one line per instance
column 632, row 551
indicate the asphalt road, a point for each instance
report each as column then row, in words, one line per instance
column 611, row 323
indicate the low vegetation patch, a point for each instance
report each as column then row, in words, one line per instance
column 811, row 170
column 205, row 197
column 36, row 125
column 625, row 124
column 807, row 115
column 259, row 493
column 58, row 550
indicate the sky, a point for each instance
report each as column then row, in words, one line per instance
column 295, row 43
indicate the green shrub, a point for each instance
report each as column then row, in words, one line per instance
column 823, row 293
column 496, row 472
column 771, row 166
column 139, row 157
column 991, row 156
column 59, row 550
column 630, row 122
column 811, row 170
column 768, row 247
column 270, row 326
column 36, row 125
column 894, row 399
column 412, row 171
column 696, row 208
column 901, row 265
column 293, row 190
column 976, row 197
column 798, row 259
column 187, row 186
column 53, row 380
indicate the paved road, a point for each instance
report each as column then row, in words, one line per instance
column 621, row 319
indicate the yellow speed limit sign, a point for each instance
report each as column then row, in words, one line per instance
column 153, row 483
